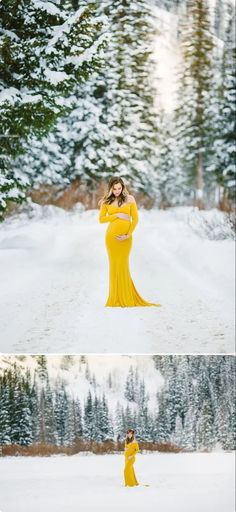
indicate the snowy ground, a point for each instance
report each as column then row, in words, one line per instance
column 54, row 284
column 93, row 483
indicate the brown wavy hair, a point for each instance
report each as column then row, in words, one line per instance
column 109, row 197
column 127, row 439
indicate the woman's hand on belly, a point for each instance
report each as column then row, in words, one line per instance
column 123, row 216
column 122, row 237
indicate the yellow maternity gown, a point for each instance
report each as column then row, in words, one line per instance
column 122, row 291
column 129, row 475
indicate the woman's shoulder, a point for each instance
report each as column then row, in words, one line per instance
column 130, row 199
column 102, row 202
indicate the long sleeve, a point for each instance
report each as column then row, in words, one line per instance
column 134, row 216
column 133, row 449
column 103, row 217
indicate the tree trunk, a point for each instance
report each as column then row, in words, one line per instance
column 225, row 204
column 199, row 182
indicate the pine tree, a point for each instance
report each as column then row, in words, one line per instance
column 195, row 110
column 50, row 421
column 21, row 420
column 225, row 142
column 35, row 411
column 143, row 424
column 189, row 432
column 119, row 427
column 61, row 409
column 89, row 418
column 105, row 422
column 171, row 183
column 129, row 392
column 78, row 419
column 46, row 49
column 114, row 129
column 177, row 434
column 219, row 20
column 205, row 427
column 5, row 432
column 42, row 370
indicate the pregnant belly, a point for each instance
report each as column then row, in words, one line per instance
column 118, row 227
column 131, row 460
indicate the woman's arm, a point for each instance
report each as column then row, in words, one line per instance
column 103, row 217
column 134, row 215
column 135, row 449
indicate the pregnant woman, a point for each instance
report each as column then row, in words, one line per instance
column 117, row 208
column 131, row 448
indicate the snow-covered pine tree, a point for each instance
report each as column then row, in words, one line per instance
column 143, row 424
column 78, row 419
column 225, row 142
column 44, row 419
column 5, row 431
column 136, row 384
column 121, row 136
column 127, row 418
column 168, row 5
column 195, row 112
column 21, row 420
column 70, row 424
column 35, row 410
column 181, row 387
column 96, row 433
column 189, row 431
column 89, row 418
column 61, row 409
column 106, row 428
column 25, row 423
column 163, row 423
column 87, row 372
column 171, row 183
column 113, row 131
column 205, row 438
column 118, row 423
column 177, row 434
column 219, row 18
column 67, row 362
column 46, row 49
column 41, row 369
column 129, row 392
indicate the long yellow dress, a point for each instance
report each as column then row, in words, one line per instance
column 129, row 475
column 122, row 292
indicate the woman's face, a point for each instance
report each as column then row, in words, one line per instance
column 130, row 434
column 117, row 189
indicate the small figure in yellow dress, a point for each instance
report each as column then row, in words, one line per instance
column 131, row 448
column 118, row 207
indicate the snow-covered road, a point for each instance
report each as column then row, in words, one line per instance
column 177, row 482
column 54, row 284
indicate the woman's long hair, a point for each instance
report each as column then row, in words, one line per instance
column 129, row 440
column 109, row 197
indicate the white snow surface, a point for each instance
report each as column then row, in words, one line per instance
column 54, row 284
column 177, row 482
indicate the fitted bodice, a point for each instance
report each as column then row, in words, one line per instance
column 131, row 449
column 113, row 207
column 119, row 226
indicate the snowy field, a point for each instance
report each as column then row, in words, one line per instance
column 179, row 482
column 54, row 284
